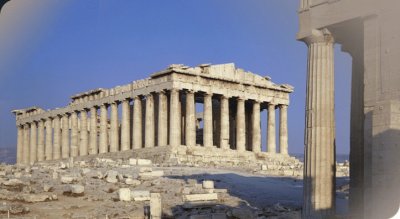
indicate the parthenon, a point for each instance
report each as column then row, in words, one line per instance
column 161, row 111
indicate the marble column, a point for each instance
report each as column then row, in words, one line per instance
column 174, row 119
column 137, row 123
column 319, row 171
column 40, row 144
column 20, row 143
column 56, row 138
column 25, row 150
column 93, row 148
column 65, row 136
column 283, row 129
column 103, row 139
column 125, row 127
column 271, row 135
column 33, row 144
column 84, row 140
column 256, row 127
column 240, row 126
column 149, row 122
column 162, row 119
column 224, row 137
column 49, row 139
column 190, row 119
column 114, row 133
column 207, row 121
column 74, row 135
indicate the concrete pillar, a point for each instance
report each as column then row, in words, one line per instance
column 240, row 126
column 137, row 123
column 256, row 127
column 56, row 138
column 271, row 135
column 33, row 144
column 65, row 136
column 319, row 171
column 25, row 150
column 208, row 125
column 83, row 143
column 40, row 144
column 224, row 137
column 283, row 129
column 114, row 132
column 162, row 119
column 125, row 127
column 49, row 140
column 74, row 135
column 190, row 119
column 20, row 144
column 103, row 139
column 149, row 122
column 175, row 118
column 93, row 148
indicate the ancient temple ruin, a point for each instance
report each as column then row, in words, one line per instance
column 161, row 112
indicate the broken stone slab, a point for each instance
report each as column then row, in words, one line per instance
column 200, row 197
column 199, row 204
column 208, row 184
column 74, row 190
column 124, row 194
column 144, row 162
column 149, row 175
column 47, row 188
column 140, row 195
column 221, row 190
column 33, row 198
column 13, row 182
column 132, row 161
column 133, row 182
column 112, row 176
column 155, row 206
column 145, row 169
column 14, row 209
column 68, row 179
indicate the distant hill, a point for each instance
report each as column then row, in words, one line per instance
column 7, row 155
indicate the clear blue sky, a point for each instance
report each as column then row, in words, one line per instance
column 52, row 49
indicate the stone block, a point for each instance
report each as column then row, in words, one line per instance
column 155, row 206
column 124, row 194
column 200, row 197
column 144, row 162
column 132, row 161
column 145, row 169
column 208, row 184
column 132, row 182
column 68, row 179
column 149, row 175
column 140, row 195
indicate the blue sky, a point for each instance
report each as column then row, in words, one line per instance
column 52, row 49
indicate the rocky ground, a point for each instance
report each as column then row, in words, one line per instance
column 116, row 188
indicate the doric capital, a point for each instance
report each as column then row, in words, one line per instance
column 319, row 36
column 283, row 106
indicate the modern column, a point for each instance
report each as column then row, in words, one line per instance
column 40, row 144
column 93, row 148
column 125, row 127
column 149, row 122
column 74, row 135
column 319, row 171
column 240, row 126
column 137, row 123
column 174, row 122
column 256, row 127
column 162, row 119
column 57, row 138
column 190, row 119
column 20, row 143
column 26, row 152
column 83, row 143
column 224, row 137
column 271, row 135
column 33, row 144
column 114, row 137
column 49, row 139
column 65, row 136
column 208, row 125
column 283, row 129
column 103, row 139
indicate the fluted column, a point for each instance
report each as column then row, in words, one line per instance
column 49, row 140
column 33, row 144
column 224, row 137
column 174, row 119
column 125, row 127
column 271, row 135
column 103, row 139
column 25, row 151
column 190, row 119
column 137, row 123
column 74, row 135
column 83, row 143
column 256, row 127
column 319, row 171
column 93, row 148
column 240, row 126
column 149, row 122
column 40, row 144
column 65, row 136
column 20, row 143
column 114, row 143
column 283, row 129
column 162, row 119
column 56, row 138
column 207, row 121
